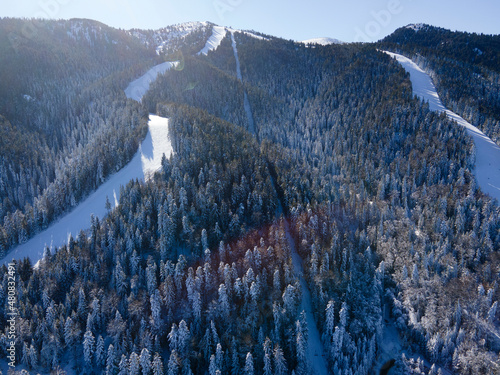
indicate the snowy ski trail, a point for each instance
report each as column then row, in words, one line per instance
column 145, row 162
column 136, row 89
column 487, row 168
column 246, row 102
column 218, row 33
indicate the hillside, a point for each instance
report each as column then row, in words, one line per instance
column 312, row 207
column 464, row 66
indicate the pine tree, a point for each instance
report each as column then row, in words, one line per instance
column 279, row 361
column 235, row 360
column 184, row 337
column 110, row 360
column 157, row 365
column 100, row 353
column 123, row 366
column 134, row 366
column 330, row 322
column 173, row 364
column 88, row 347
column 267, row 357
column 223, row 302
column 145, row 360
column 249, row 369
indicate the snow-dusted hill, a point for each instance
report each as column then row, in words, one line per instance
column 165, row 37
column 487, row 169
column 146, row 161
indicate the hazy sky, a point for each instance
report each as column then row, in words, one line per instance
column 347, row 20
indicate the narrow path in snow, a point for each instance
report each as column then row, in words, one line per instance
column 487, row 169
column 136, row 89
column 315, row 349
column 246, row 102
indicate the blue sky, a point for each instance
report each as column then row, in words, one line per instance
column 355, row 20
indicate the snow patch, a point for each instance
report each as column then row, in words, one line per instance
column 218, row 33
column 416, row 26
column 322, row 41
column 136, row 89
column 146, row 161
column 487, row 169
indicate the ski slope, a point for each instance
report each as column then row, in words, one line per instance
column 487, row 169
column 146, row 161
column 136, row 89
column 218, row 33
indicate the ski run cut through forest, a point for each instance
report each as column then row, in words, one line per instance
column 487, row 168
column 299, row 208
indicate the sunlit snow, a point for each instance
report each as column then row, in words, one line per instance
column 487, row 168
column 146, row 161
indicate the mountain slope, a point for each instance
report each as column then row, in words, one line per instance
column 344, row 172
column 487, row 153
column 465, row 68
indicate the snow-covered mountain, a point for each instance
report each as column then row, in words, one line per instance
column 322, row 41
column 313, row 217
column 164, row 39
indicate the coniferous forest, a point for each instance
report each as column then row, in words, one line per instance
column 317, row 176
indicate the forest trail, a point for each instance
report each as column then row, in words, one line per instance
column 487, row 167
column 315, row 349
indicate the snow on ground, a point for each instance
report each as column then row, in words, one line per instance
column 136, row 89
column 146, row 161
column 248, row 33
column 415, row 26
column 487, row 170
column 322, row 41
column 218, row 33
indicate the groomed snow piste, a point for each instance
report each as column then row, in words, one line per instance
column 487, row 170
column 145, row 162
column 136, row 89
column 218, row 33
